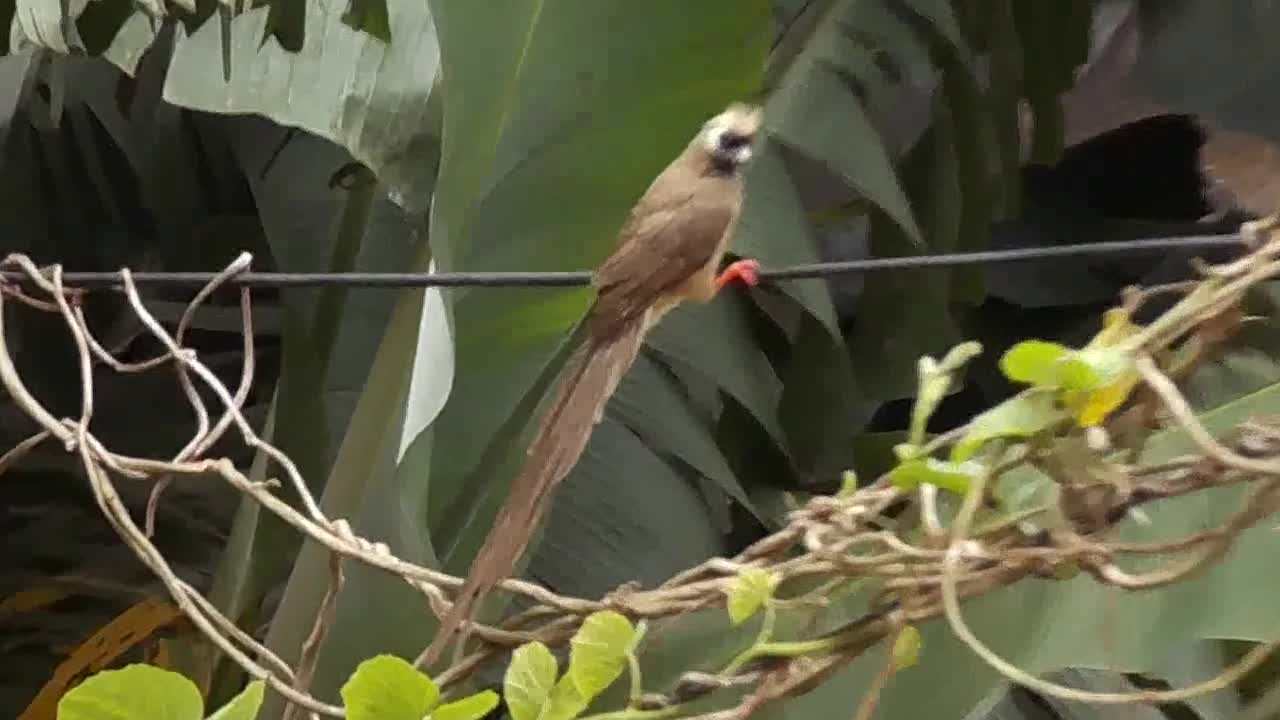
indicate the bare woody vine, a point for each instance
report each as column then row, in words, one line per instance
column 935, row 530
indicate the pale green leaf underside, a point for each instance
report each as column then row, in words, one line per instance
column 344, row 85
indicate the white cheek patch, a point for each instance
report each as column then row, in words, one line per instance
column 713, row 138
column 743, row 155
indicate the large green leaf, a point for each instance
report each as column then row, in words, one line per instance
column 963, row 173
column 330, row 335
column 774, row 211
column 399, row 369
column 373, row 100
column 40, row 23
column 651, row 402
column 646, row 526
column 349, row 87
column 816, row 111
column 361, row 487
column 716, row 341
column 947, row 176
column 775, row 229
column 848, row 98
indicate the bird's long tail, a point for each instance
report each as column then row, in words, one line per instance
column 588, row 379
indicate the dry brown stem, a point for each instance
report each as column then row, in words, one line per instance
column 912, row 575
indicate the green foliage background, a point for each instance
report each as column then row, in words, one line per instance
column 516, row 137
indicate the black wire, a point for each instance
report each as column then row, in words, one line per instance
column 992, row 257
column 574, row 279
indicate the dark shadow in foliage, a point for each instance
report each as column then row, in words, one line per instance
column 369, row 16
column 1139, row 180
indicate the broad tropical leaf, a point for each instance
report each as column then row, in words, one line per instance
column 368, row 96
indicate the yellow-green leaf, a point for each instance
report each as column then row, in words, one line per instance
column 598, row 651
column 748, row 591
column 243, row 706
column 956, row 477
column 529, row 680
column 387, row 687
column 1091, row 408
column 471, row 707
column 1034, row 362
column 906, row 648
column 1106, row 365
column 959, row 356
column 1022, row 415
column 134, row 692
column 848, row 483
column 1076, row 373
column 564, row 702
column 935, row 381
column 1116, row 328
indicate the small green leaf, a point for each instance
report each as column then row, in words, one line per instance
column 387, row 687
column 565, row 702
column 134, row 692
column 1106, row 364
column 1046, row 364
column 1022, row 415
column 243, row 706
column 848, row 483
column 598, row 651
column 1092, row 407
column 748, row 591
column 471, row 707
column 930, row 390
column 529, row 680
column 1034, row 362
column 906, row 648
column 1076, row 373
column 935, row 381
column 959, row 356
column 1116, row 328
column 956, row 477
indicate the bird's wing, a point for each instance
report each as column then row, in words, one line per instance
column 659, row 248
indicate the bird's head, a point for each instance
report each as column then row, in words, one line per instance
column 728, row 137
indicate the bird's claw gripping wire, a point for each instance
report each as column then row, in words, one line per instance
column 748, row 271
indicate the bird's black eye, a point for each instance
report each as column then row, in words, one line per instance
column 733, row 141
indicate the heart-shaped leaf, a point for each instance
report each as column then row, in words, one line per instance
column 748, row 591
column 953, row 476
column 387, row 687
column 134, row 692
column 598, row 651
column 529, row 681
column 1022, row 415
column 472, row 707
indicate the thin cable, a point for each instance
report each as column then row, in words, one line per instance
column 576, row 279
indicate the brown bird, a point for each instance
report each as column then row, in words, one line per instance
column 668, row 252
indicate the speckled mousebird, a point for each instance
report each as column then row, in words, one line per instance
column 668, row 252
